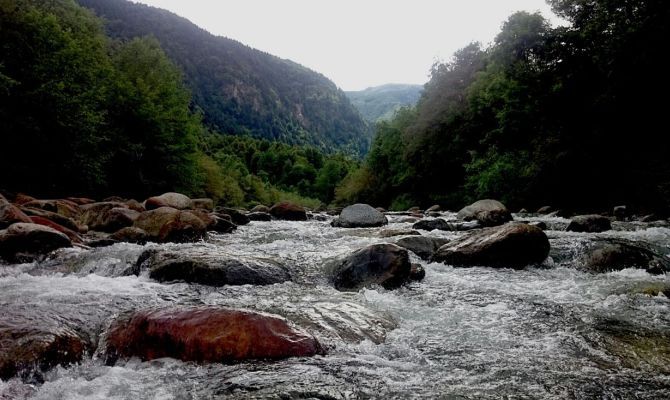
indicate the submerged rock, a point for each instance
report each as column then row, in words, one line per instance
column 589, row 223
column 24, row 242
column 422, row 246
column 386, row 265
column 360, row 216
column 259, row 216
column 398, row 232
column 288, row 211
column 486, row 212
column 170, row 199
column 417, row 273
column 236, row 216
column 615, row 255
column 207, row 334
column 513, row 245
column 212, row 270
column 434, row 224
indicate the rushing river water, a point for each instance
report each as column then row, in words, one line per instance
column 547, row 332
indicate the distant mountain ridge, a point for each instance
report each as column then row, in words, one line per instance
column 381, row 102
column 242, row 90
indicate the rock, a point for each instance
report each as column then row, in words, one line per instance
column 3, row 200
column 422, row 246
column 589, row 223
column 513, row 245
column 135, row 205
column 23, row 241
column 236, row 216
column 98, row 216
column 539, row 224
column 434, row 214
column 434, row 208
column 57, row 218
column 259, row 216
column 63, row 207
column 288, row 211
column 359, row 216
column 523, row 211
column 10, row 214
column 23, row 198
column 202, row 204
column 207, row 334
column 620, row 213
column 615, row 255
column 114, row 199
column 386, row 265
column 130, row 234
column 433, row 224
column 212, row 270
column 28, row 349
column 167, row 224
column 72, row 235
column 408, row 220
column 486, row 212
column 545, row 210
column 467, row 226
column 318, row 217
column 414, row 210
column 398, row 232
column 261, row 209
column 80, row 200
column 170, row 199
column 417, row 273
column 380, row 209
column 650, row 218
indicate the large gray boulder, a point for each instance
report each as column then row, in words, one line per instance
column 589, row 223
column 360, row 216
column 513, row 245
column 380, row 264
column 486, row 212
column 212, row 270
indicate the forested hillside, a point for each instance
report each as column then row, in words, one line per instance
column 83, row 114
column 381, row 102
column 243, row 90
column 568, row 116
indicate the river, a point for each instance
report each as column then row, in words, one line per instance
column 545, row 332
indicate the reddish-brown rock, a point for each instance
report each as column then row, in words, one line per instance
column 10, row 214
column 288, row 211
column 23, row 241
column 80, row 200
column 74, row 236
column 210, row 334
column 63, row 207
column 23, row 198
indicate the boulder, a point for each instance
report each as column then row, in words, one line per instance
column 135, row 205
column 97, row 216
column 63, row 207
column 261, row 209
column 215, row 223
column 167, row 224
column 236, row 216
column 589, row 223
column 386, row 265
column 417, row 273
column 486, row 212
column 3, row 200
column 380, row 209
column 259, row 216
column 23, row 198
column 433, row 224
column 202, row 204
column 434, row 214
column 615, row 255
column 211, row 270
column 57, row 218
column 620, row 213
column 539, row 224
column 422, row 246
column 434, row 208
column 80, row 200
column 170, row 199
column 414, row 210
column 207, row 334
column 360, row 216
column 513, row 245
column 10, row 214
column 288, row 211
column 130, row 234
column 545, row 210
column 28, row 349
column 398, row 232
column 72, row 235
column 24, row 241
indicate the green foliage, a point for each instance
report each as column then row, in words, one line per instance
column 566, row 116
column 380, row 103
column 242, row 90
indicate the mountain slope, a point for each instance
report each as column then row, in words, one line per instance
column 243, row 90
column 381, row 102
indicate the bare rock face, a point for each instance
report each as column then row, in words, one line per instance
column 360, row 216
column 288, row 211
column 486, row 212
column 513, row 245
column 170, row 199
column 381, row 264
column 24, row 241
column 589, row 223
column 207, row 334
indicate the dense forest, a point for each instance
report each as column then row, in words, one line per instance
column 243, row 90
column 84, row 114
column 570, row 116
column 381, row 102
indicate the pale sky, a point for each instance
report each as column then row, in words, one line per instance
column 356, row 43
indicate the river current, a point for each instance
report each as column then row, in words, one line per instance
column 546, row 332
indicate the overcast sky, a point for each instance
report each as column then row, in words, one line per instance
column 356, row 43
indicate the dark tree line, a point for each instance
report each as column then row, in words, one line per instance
column 570, row 116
